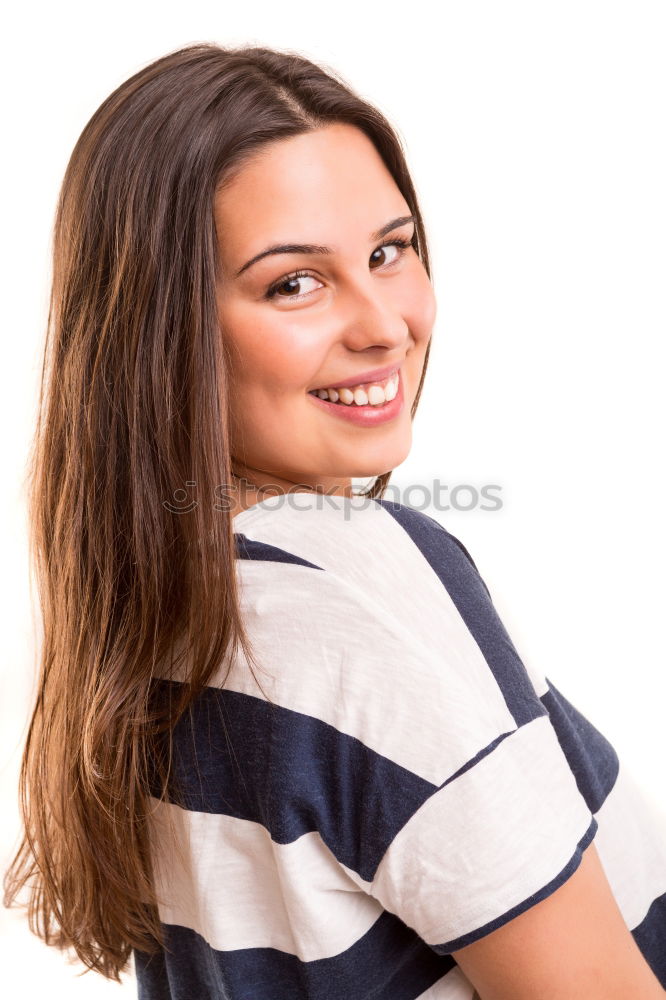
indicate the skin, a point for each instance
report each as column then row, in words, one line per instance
column 363, row 307
column 573, row 945
column 363, row 312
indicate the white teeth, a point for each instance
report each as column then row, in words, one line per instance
column 376, row 395
column 391, row 390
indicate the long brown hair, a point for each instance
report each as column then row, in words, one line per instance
column 133, row 406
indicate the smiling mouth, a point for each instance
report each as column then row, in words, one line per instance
column 365, row 394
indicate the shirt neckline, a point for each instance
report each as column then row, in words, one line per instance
column 269, row 504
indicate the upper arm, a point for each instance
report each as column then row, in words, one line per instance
column 573, row 945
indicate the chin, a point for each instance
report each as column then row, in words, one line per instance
column 377, row 461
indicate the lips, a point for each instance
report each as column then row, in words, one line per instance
column 362, row 409
column 361, row 380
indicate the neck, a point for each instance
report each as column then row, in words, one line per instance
column 251, row 485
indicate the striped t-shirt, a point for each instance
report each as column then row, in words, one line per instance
column 409, row 786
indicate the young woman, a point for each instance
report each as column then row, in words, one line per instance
column 283, row 746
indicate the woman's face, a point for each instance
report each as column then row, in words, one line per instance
column 360, row 307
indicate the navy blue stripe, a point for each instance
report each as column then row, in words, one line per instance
column 650, row 936
column 390, row 962
column 396, row 509
column 249, row 548
column 593, row 760
column 591, row 757
column 454, row 567
column 547, row 890
column 237, row 755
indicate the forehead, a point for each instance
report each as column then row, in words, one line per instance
column 323, row 186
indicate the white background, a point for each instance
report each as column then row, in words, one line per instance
column 535, row 134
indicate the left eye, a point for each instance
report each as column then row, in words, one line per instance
column 400, row 247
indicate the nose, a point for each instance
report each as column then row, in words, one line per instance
column 369, row 318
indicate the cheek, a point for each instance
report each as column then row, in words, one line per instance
column 266, row 355
column 420, row 307
column 417, row 304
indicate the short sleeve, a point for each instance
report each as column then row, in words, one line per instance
column 499, row 836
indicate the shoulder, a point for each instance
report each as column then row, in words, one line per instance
column 426, row 532
column 366, row 570
column 379, row 601
column 354, row 539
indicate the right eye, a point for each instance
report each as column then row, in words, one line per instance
column 289, row 280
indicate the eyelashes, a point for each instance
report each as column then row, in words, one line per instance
column 287, row 279
column 402, row 244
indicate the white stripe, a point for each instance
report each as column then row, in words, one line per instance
column 226, row 879
column 631, row 842
column 488, row 841
column 375, row 558
column 351, row 537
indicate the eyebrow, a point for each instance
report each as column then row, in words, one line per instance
column 310, row 248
